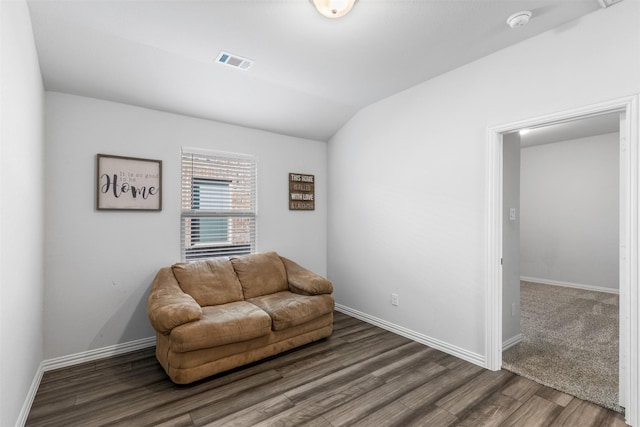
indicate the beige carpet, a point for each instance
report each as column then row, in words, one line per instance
column 570, row 342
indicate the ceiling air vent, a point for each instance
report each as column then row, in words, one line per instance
column 234, row 61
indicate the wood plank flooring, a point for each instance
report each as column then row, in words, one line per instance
column 361, row 376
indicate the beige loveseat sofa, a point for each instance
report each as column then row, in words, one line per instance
column 214, row 315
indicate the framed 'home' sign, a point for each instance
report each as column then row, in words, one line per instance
column 129, row 183
column 302, row 195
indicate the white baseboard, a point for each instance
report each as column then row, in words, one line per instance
column 508, row 343
column 453, row 350
column 569, row 285
column 26, row 406
column 75, row 359
column 99, row 353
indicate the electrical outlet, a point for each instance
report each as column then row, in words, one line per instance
column 514, row 308
column 394, row 299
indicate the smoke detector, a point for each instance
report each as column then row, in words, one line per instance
column 519, row 19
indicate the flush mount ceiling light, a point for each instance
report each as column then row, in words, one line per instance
column 333, row 8
column 519, row 19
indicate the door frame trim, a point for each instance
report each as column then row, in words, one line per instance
column 628, row 247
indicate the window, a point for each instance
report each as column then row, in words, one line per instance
column 218, row 206
column 210, row 194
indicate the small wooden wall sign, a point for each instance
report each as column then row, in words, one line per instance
column 302, row 196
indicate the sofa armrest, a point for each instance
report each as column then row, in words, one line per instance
column 168, row 306
column 305, row 282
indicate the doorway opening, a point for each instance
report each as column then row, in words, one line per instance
column 628, row 244
column 561, row 257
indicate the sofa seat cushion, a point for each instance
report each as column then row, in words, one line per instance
column 220, row 325
column 260, row 274
column 209, row 282
column 288, row 309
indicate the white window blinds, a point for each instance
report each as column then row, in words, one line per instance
column 218, row 206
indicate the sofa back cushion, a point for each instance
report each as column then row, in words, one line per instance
column 260, row 274
column 210, row 282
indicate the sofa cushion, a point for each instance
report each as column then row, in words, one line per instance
column 209, row 282
column 220, row 325
column 288, row 309
column 260, row 274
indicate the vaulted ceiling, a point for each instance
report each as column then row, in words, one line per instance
column 309, row 75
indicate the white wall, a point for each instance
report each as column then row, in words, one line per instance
column 570, row 211
column 99, row 264
column 21, row 210
column 407, row 175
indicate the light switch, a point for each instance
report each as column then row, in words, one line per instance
column 512, row 214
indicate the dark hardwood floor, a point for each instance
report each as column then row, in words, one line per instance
column 360, row 376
